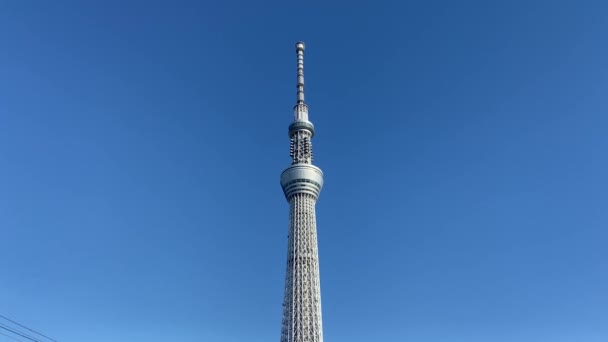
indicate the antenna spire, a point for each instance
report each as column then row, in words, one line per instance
column 300, row 52
column 301, row 110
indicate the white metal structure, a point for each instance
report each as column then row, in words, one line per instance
column 302, row 183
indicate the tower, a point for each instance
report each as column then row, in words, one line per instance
column 301, row 183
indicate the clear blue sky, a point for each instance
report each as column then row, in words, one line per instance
column 464, row 147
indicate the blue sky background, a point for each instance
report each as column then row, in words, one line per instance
column 463, row 144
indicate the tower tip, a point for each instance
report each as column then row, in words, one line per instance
column 300, row 84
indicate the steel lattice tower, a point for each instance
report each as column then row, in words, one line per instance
column 301, row 183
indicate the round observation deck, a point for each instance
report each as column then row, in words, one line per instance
column 302, row 178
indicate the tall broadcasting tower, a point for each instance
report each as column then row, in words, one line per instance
column 302, row 184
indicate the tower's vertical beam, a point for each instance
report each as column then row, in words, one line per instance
column 302, row 183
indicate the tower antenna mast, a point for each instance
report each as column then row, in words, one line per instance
column 302, row 183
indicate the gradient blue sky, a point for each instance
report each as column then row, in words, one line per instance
column 463, row 142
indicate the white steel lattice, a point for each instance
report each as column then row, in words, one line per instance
column 302, row 183
column 302, row 305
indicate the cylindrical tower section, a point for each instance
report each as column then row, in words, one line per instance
column 302, row 320
column 300, row 85
column 302, row 179
column 300, row 109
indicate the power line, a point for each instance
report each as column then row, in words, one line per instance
column 19, row 333
column 23, row 326
column 11, row 337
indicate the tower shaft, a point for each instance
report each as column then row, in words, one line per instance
column 302, row 183
column 302, row 303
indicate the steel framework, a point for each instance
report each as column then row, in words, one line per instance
column 302, row 183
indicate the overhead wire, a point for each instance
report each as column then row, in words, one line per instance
column 20, row 333
column 23, row 326
column 11, row 337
